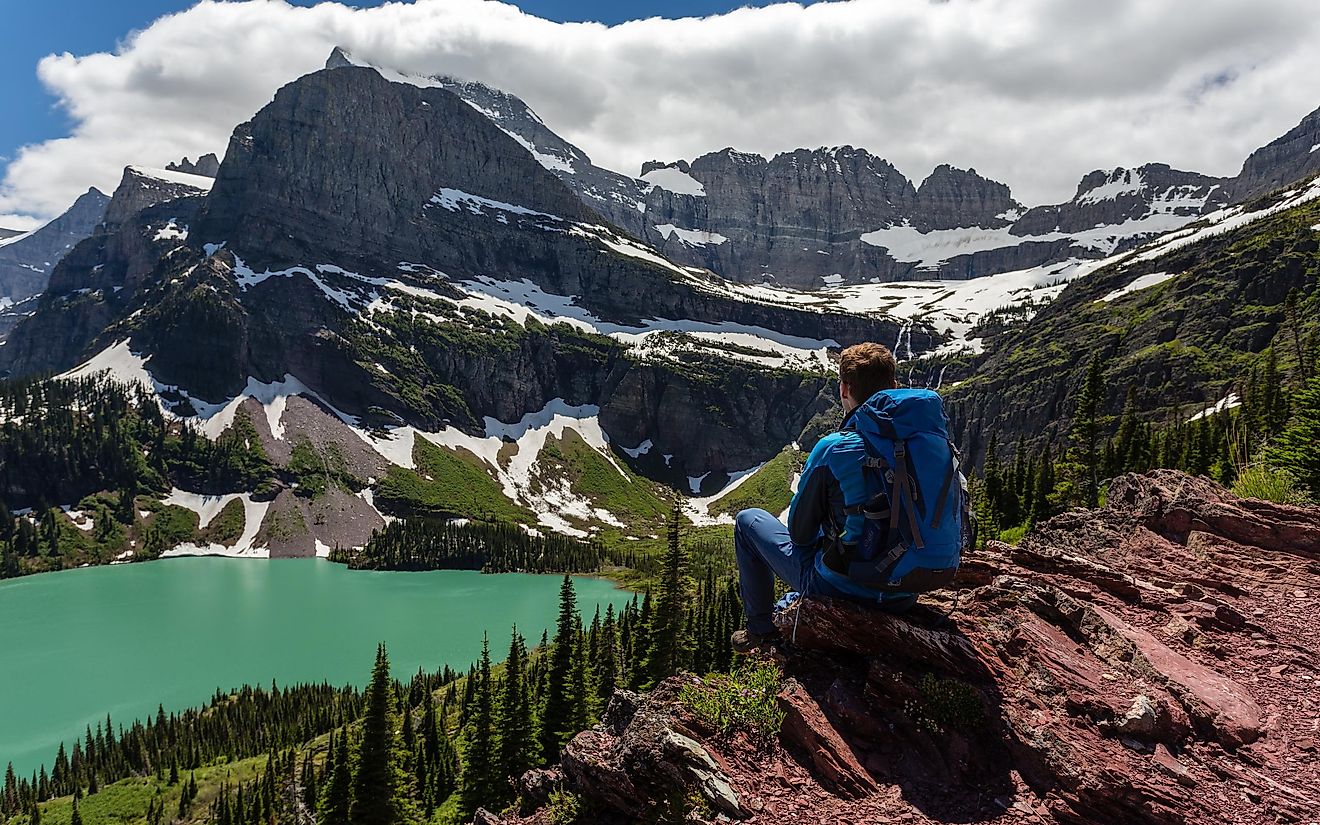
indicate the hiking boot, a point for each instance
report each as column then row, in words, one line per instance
column 744, row 641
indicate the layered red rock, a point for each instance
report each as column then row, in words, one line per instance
column 1154, row 661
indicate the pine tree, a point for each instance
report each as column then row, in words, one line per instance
column 556, row 718
column 379, row 786
column 607, row 657
column 1123, row 455
column 669, row 642
column 77, row 815
column 337, row 787
column 479, row 757
column 1297, row 448
column 1085, row 434
column 1042, row 508
column 517, row 727
column 581, row 696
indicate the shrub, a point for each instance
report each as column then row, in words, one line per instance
column 1263, row 482
column 565, row 808
column 744, row 698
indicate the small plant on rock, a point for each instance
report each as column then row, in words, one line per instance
column 565, row 807
column 744, row 698
column 946, row 704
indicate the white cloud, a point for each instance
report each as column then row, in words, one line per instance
column 21, row 223
column 1031, row 92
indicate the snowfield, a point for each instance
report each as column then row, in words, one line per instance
column 198, row 182
column 676, row 181
column 207, row 508
column 1144, row 282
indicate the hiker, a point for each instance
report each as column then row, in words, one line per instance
column 881, row 512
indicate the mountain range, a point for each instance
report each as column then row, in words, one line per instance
column 419, row 276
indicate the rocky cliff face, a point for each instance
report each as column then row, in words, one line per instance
column 812, row 218
column 1293, row 157
column 1149, row 662
column 27, row 259
column 141, row 187
column 411, row 270
column 1154, row 194
column 1181, row 323
column 206, row 166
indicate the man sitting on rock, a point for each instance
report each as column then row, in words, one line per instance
column 881, row 511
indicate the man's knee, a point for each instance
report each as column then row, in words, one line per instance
column 746, row 520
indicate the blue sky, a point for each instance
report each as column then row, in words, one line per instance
column 33, row 29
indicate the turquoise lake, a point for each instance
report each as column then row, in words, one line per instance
column 79, row 644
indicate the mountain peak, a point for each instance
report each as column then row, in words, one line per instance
column 339, row 58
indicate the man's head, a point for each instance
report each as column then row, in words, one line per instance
column 864, row 370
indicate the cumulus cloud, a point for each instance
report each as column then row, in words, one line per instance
column 1031, row 92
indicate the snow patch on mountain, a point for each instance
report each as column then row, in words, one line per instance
column 1229, row 402
column 675, row 180
column 206, row 507
column 200, row 182
column 552, row 162
column 171, row 232
column 455, row 200
column 1226, row 220
column 640, row 450
column 654, row 337
column 14, row 238
column 697, row 510
column 254, row 513
column 1144, row 282
column 1120, row 182
column 120, row 363
column 245, row 277
column 930, row 249
column 691, row 237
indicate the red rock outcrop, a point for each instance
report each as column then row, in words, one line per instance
column 1154, row 661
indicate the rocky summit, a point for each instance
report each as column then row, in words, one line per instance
column 1153, row 661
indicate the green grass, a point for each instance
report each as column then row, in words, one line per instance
column 447, row 483
column 631, row 499
column 126, row 801
column 1013, row 535
column 228, row 524
column 768, row 488
column 175, row 524
column 743, row 699
column 1268, row 484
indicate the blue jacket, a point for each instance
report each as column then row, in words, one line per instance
column 832, row 479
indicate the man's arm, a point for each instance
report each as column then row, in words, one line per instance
column 810, row 510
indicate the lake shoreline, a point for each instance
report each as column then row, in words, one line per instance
column 210, row 625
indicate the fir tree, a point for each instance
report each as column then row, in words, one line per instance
column 669, row 642
column 1085, row 435
column 337, row 788
column 517, row 726
column 76, row 817
column 581, row 697
column 607, row 657
column 479, row 757
column 1297, row 448
column 556, row 718
column 379, row 786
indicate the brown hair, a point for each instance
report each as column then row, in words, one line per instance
column 867, row 368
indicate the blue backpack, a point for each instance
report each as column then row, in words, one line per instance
column 917, row 510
